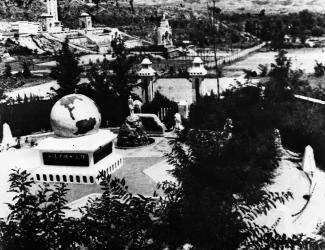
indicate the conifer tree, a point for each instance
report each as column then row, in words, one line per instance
column 67, row 71
column 7, row 72
column 26, row 70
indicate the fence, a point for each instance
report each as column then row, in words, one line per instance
column 163, row 113
column 27, row 117
column 234, row 57
column 184, row 62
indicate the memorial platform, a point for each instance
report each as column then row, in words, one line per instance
column 77, row 160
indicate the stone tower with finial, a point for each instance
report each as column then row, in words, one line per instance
column 147, row 74
column 50, row 20
column 164, row 33
column 197, row 73
column 85, row 21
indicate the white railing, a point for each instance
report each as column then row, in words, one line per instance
column 234, row 57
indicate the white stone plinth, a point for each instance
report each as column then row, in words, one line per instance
column 78, row 160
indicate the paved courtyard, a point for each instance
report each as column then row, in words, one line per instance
column 136, row 162
column 145, row 167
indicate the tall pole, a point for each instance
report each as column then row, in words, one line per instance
column 214, row 47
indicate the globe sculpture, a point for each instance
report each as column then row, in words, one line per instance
column 75, row 115
column 78, row 150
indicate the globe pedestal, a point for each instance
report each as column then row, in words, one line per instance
column 77, row 160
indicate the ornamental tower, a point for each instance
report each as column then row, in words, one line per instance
column 197, row 73
column 85, row 21
column 164, row 33
column 147, row 74
column 52, row 9
column 50, row 20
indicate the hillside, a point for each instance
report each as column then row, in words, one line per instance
column 30, row 9
column 14, row 10
column 247, row 5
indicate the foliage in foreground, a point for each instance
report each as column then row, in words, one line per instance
column 117, row 220
column 221, row 193
column 120, row 220
column 36, row 220
column 272, row 104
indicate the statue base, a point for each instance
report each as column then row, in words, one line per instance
column 132, row 133
column 77, row 160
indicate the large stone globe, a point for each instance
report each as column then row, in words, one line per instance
column 75, row 115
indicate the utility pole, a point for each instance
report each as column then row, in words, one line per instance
column 214, row 47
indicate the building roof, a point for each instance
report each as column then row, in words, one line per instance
column 197, row 60
column 84, row 14
column 147, row 72
column 45, row 15
column 146, row 61
column 197, row 71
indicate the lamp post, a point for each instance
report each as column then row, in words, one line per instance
column 214, row 45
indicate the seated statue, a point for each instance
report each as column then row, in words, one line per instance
column 132, row 132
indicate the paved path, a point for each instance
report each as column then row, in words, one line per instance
column 314, row 213
column 288, row 178
column 144, row 167
column 136, row 161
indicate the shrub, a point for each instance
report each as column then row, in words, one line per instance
column 319, row 69
column 7, row 72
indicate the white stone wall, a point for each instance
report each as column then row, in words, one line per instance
column 28, row 27
column 52, row 9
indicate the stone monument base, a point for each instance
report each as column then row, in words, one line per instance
column 77, row 160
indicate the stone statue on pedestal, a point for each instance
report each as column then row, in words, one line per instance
column 131, row 106
column 178, row 123
column 227, row 129
column 132, row 132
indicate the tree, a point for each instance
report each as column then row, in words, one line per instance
column 263, row 68
column 131, row 5
column 26, row 71
column 278, row 35
column 280, row 75
column 7, row 72
column 97, row 3
column 117, row 220
column 37, row 221
column 208, row 163
column 219, row 193
column 67, row 70
column 319, row 69
column 104, row 94
column 110, row 84
column 317, row 31
column 122, row 81
column 262, row 13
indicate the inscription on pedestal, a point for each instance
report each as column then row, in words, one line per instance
column 66, row 159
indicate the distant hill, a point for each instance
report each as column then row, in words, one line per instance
column 247, row 5
column 13, row 10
